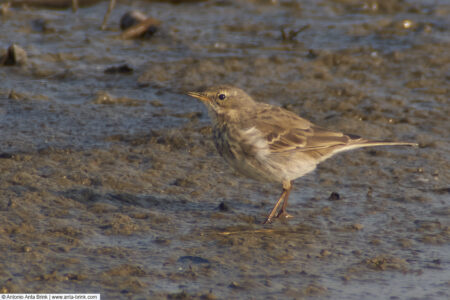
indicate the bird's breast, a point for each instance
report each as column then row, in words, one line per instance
column 244, row 150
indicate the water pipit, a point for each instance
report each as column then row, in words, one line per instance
column 269, row 143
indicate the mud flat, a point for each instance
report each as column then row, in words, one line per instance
column 109, row 181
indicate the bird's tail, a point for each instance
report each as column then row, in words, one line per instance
column 384, row 143
column 357, row 142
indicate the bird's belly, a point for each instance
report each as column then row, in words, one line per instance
column 291, row 166
column 273, row 168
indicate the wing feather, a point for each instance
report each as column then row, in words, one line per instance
column 285, row 131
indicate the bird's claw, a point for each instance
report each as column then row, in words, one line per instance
column 268, row 221
column 284, row 215
column 281, row 215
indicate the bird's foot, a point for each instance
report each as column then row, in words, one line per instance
column 268, row 220
column 281, row 215
column 284, row 215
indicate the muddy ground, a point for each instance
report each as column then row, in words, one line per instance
column 110, row 183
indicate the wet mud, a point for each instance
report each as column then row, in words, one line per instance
column 110, row 183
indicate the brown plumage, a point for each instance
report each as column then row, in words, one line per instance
column 269, row 143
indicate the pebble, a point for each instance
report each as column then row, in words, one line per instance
column 122, row 69
column 15, row 55
column 194, row 259
column 235, row 285
column 357, row 226
column 334, row 196
column 26, row 249
column 135, row 24
column 4, row 9
column 131, row 18
column 223, row 206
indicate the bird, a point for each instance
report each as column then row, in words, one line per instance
column 271, row 144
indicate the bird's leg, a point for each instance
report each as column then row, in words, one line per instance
column 283, row 212
column 275, row 208
column 287, row 186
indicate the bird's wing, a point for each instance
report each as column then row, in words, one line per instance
column 285, row 131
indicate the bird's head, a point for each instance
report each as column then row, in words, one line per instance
column 220, row 99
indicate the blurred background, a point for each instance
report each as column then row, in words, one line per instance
column 109, row 181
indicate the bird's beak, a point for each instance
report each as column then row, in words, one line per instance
column 199, row 96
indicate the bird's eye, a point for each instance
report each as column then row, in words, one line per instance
column 222, row 96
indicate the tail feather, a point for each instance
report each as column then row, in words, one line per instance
column 362, row 143
column 366, row 143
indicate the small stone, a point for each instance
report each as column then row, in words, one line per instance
column 122, row 69
column 102, row 97
column 161, row 241
column 369, row 192
column 208, row 296
column 223, row 206
column 334, row 196
column 183, row 182
column 314, row 290
column 4, row 8
column 40, row 25
column 180, row 295
column 324, row 253
column 436, row 261
column 15, row 55
column 357, row 226
column 405, row 243
column 135, row 24
column 156, row 103
column 193, row 259
column 131, row 18
column 312, row 54
column 375, row 242
column 6, row 155
column 235, row 285
column 407, row 24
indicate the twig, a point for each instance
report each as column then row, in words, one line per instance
column 74, row 5
column 112, row 3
